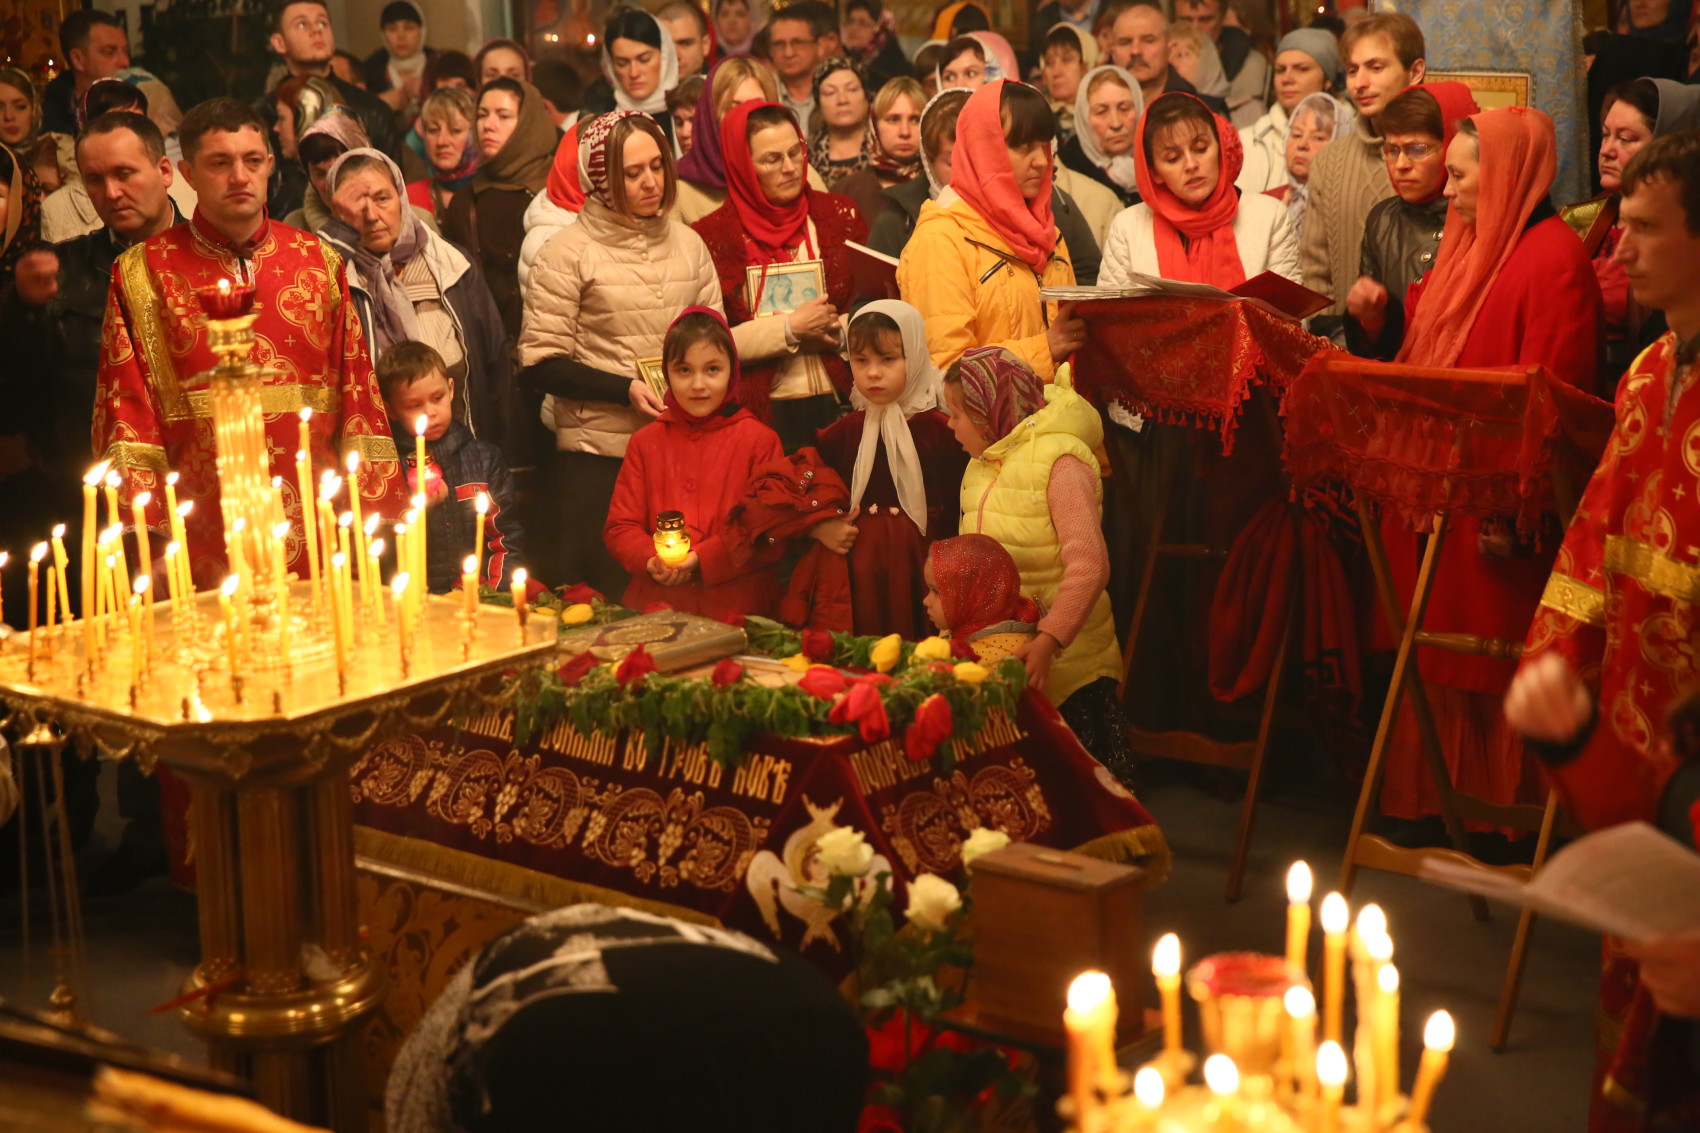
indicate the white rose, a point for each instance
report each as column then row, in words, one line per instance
column 932, row 900
column 844, row 851
column 982, row 841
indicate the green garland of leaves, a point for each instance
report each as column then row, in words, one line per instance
column 726, row 718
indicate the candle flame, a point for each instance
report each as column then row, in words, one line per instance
column 1335, row 914
column 280, row 530
column 1299, row 884
column 1380, row 948
column 1166, row 957
column 113, row 480
column 419, row 425
column 329, row 486
column 408, row 519
column 346, row 519
column 1371, row 921
column 375, row 548
column 482, row 503
column 399, row 584
column 1088, row 991
column 418, row 502
column 231, row 585
column 519, row 577
column 5, row 557
column 1440, row 1033
column 174, row 548
column 277, row 481
column 224, row 287
column 111, row 562
column 1148, row 1087
column 1331, row 1064
column 109, row 534
column 353, row 462
column 1387, row 979
column 1221, row 1075
column 1299, row 1002
column 38, row 552
column 184, row 508
column 59, row 531
column 401, row 528
column 141, row 499
column 171, row 479
column 469, row 565
column 141, row 584
column 306, row 416
column 372, row 524
column 239, row 524
column 339, row 560
column 97, row 474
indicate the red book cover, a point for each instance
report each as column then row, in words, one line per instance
column 873, row 274
column 1283, row 294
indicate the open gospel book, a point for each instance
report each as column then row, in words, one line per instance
column 1629, row 881
column 1278, row 291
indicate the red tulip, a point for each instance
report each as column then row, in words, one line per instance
column 637, row 665
column 818, row 646
column 822, row 681
column 735, row 618
column 575, row 669
column 963, row 649
column 932, row 726
column 573, row 595
column 728, row 672
column 655, row 608
column 862, row 706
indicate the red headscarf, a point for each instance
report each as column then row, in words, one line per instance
column 730, row 405
column 978, row 585
column 564, row 187
column 1519, row 156
column 981, row 175
column 775, row 230
column 1456, row 104
column 1209, row 253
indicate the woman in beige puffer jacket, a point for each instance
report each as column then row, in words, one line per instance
column 598, row 302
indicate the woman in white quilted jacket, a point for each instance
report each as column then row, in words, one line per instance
column 598, row 302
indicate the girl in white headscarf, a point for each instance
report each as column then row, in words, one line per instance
column 641, row 66
column 903, row 465
column 1107, row 107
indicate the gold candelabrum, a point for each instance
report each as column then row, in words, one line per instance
column 1266, row 1070
column 260, row 694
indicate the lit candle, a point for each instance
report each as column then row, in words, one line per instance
column 338, row 561
column 171, row 502
column 1223, row 1079
column 360, row 532
column 1371, row 949
column 404, row 635
column 1331, row 1072
column 369, row 573
column 1334, row 918
column 5, row 558
column 374, row 553
column 61, row 560
column 37, row 553
column 517, row 588
column 1298, row 915
column 90, row 483
column 115, row 518
column 52, row 609
column 420, row 423
column 1386, row 1038
column 1438, row 1037
column 280, row 533
column 135, row 608
column 1371, row 923
column 1089, row 1017
column 173, row 550
column 1166, row 966
column 469, row 589
column 188, row 584
column 404, row 547
column 309, row 525
column 227, row 613
column 144, row 564
column 1148, row 1088
column 480, row 505
column 326, row 519
column 1301, row 1038
column 419, row 527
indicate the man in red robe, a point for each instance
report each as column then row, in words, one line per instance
column 151, row 411
column 1617, row 630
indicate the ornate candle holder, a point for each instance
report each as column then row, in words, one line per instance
column 1240, row 997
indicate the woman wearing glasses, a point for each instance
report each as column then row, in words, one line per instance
column 793, row 372
column 1402, row 235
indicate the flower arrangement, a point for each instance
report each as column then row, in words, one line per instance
column 927, row 1079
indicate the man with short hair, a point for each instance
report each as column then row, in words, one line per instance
column 1139, row 42
column 1348, row 177
column 796, row 43
column 1611, row 651
column 1245, row 66
column 302, row 35
column 151, row 409
column 94, row 46
column 688, row 26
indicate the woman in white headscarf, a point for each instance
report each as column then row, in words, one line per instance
column 639, row 67
column 1107, row 107
column 903, row 466
column 1317, row 120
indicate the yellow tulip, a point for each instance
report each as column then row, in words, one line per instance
column 797, row 663
column 886, row 652
column 577, row 614
column 970, row 672
column 933, row 649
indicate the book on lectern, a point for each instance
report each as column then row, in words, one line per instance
column 1292, row 299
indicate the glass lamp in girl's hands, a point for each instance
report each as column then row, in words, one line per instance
column 672, row 541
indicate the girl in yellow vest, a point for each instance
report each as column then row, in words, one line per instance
column 1033, row 485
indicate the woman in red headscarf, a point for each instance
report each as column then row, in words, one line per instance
column 788, row 324
column 983, row 249
column 1511, row 286
column 974, row 594
column 696, row 458
column 557, row 206
column 1191, row 224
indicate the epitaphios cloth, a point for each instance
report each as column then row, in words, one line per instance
column 1187, row 361
column 1424, row 448
column 689, row 838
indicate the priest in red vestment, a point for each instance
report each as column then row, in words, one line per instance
column 151, row 413
column 1612, row 650
column 1511, row 286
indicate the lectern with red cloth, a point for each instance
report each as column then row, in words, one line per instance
column 1199, row 363
column 1426, row 446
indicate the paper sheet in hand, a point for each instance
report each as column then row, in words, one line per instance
column 1630, row 881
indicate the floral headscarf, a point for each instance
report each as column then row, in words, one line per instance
column 979, row 585
column 23, row 213
column 999, row 390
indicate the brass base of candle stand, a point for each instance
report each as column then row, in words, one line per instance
column 284, row 983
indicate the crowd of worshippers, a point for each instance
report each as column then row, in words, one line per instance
column 604, row 301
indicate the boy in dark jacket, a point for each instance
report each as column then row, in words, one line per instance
column 459, row 468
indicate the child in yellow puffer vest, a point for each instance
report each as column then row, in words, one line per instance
column 1033, row 484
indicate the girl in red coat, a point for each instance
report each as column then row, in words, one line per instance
column 1511, row 286
column 903, row 466
column 696, row 458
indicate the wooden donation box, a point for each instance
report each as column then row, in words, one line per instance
column 1043, row 916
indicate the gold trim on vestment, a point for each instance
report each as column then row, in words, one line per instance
column 147, row 331
column 1577, row 599
column 1581, row 215
column 1653, row 569
column 370, row 446
column 126, row 455
column 274, row 400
